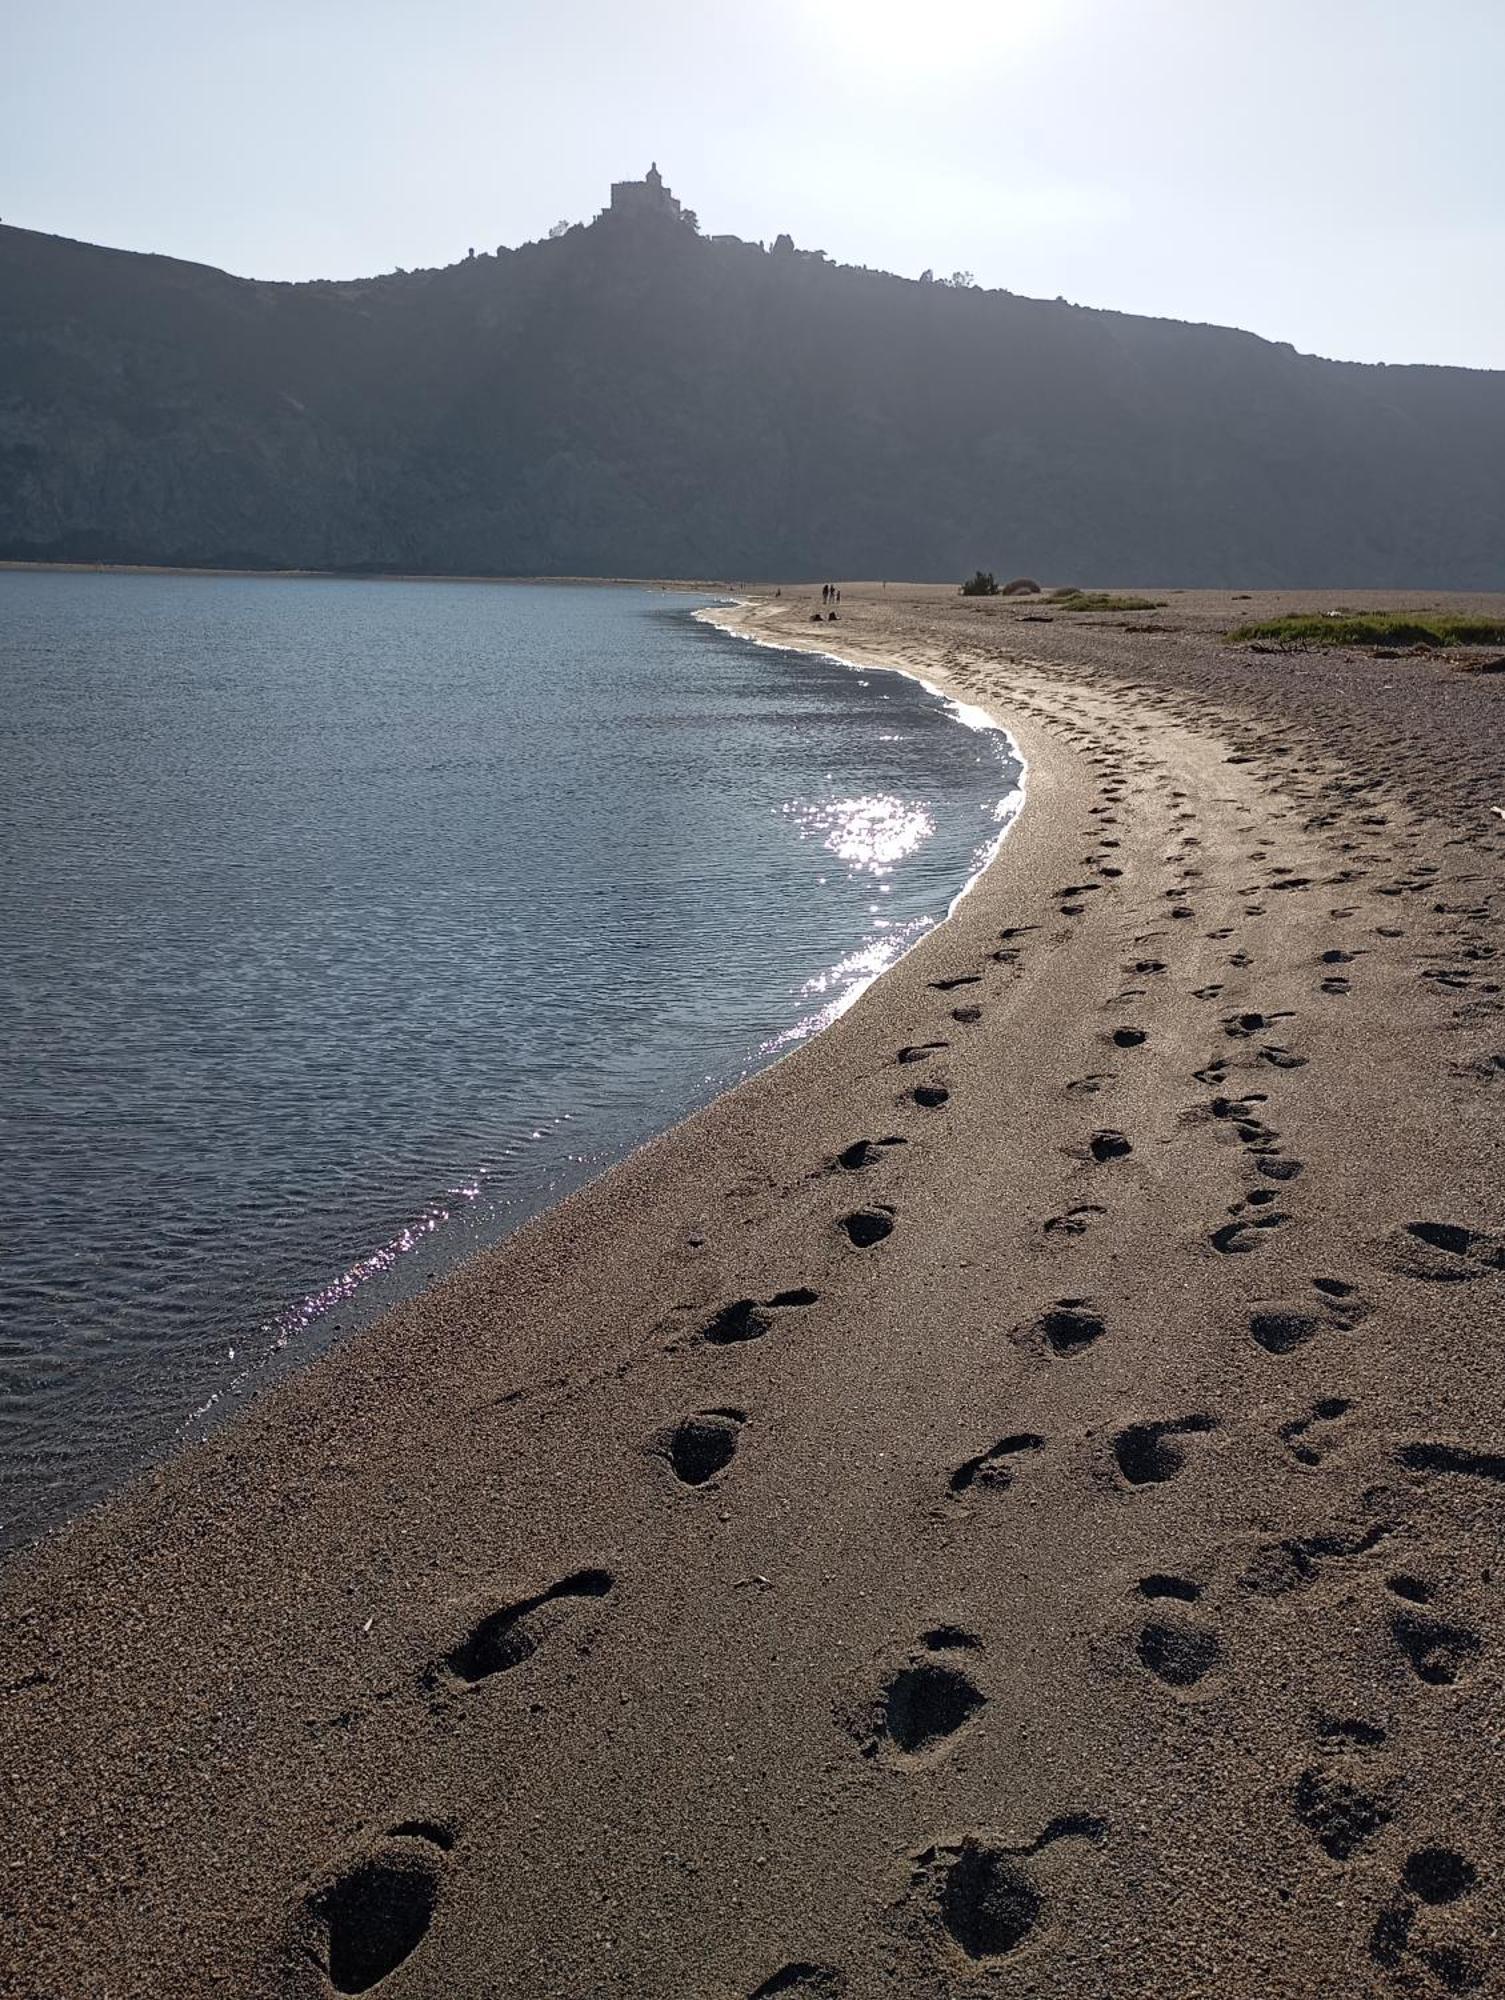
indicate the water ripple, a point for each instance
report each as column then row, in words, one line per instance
column 347, row 925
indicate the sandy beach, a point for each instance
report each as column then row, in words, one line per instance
column 1007, row 1502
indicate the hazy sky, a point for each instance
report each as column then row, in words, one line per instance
column 1328, row 172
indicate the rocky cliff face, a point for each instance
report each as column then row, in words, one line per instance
column 634, row 400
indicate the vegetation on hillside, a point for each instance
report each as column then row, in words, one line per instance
column 630, row 399
column 1301, row 629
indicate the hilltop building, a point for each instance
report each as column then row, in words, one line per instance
column 647, row 197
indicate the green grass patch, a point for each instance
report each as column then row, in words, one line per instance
column 1376, row 628
column 1102, row 600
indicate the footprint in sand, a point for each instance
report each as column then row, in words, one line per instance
column 506, row 1638
column 1181, row 1654
column 1340, row 1801
column 1307, row 1437
column 371, row 1913
column 1071, row 904
column 1446, row 1253
column 1280, row 1058
column 701, row 1445
column 1485, row 1070
column 804, row 1980
column 1281, row 1326
column 1238, row 1239
column 1459, row 1460
column 1438, row 1875
column 993, row 1470
column 1088, row 1086
column 1068, row 1327
column 1182, row 1589
column 1283, row 1330
column 1108, row 1145
column 924, row 1703
column 1243, row 1116
column 750, row 1319
column 865, row 1153
column 866, row 1226
column 1431, row 1879
column 1076, row 1221
column 1276, row 1569
column 987, row 1894
column 1149, row 1454
column 1414, row 1589
column 1438, row 1651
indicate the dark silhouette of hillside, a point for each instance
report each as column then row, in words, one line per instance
column 634, row 399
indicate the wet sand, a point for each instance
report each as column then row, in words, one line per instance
column 1010, row 1501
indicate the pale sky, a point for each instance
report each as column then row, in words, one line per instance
column 1327, row 172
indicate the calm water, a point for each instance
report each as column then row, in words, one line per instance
column 345, row 925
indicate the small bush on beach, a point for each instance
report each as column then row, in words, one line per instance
column 1300, row 629
column 981, row 583
column 1102, row 600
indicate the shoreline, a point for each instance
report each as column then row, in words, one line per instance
column 1014, row 801
column 784, row 641
column 230, row 1400
column 977, row 1492
column 21, row 566
column 971, row 715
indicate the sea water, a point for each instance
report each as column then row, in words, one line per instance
column 345, row 925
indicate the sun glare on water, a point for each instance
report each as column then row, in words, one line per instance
column 871, row 834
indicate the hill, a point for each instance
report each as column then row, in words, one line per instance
column 632, row 398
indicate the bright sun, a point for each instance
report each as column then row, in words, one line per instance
column 904, row 36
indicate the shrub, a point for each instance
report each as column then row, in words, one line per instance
column 981, row 583
column 1375, row 628
column 1102, row 600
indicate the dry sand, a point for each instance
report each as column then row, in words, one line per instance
column 1009, row 1502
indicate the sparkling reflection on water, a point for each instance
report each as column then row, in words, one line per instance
column 871, row 834
column 348, row 924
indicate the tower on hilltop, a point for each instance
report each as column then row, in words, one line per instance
column 648, row 196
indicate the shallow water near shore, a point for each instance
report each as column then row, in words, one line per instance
column 350, row 924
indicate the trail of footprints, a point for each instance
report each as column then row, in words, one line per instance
column 373, row 1911
column 985, row 1895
